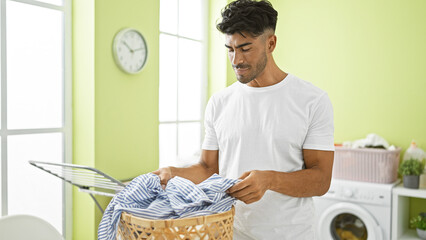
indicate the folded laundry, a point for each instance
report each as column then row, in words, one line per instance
column 145, row 198
column 371, row 141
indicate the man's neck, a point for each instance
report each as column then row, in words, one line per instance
column 271, row 75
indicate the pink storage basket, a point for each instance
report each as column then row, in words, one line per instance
column 366, row 164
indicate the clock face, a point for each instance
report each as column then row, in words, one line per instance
column 130, row 50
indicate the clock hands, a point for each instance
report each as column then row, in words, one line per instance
column 131, row 50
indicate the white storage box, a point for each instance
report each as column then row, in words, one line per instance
column 366, row 164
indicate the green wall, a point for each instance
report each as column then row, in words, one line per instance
column 217, row 58
column 370, row 56
column 115, row 114
column 83, row 111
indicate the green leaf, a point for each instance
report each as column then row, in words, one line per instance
column 411, row 167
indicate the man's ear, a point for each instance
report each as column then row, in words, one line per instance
column 271, row 43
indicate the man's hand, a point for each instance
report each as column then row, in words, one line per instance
column 165, row 175
column 252, row 187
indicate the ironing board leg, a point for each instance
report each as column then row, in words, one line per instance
column 97, row 203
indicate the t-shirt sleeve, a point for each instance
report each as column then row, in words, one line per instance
column 210, row 138
column 320, row 134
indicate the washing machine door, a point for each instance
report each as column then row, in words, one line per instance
column 348, row 221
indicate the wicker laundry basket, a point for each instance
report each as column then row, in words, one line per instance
column 212, row 227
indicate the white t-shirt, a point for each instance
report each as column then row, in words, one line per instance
column 266, row 129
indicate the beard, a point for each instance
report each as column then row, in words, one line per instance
column 251, row 75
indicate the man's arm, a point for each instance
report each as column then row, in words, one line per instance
column 208, row 165
column 312, row 181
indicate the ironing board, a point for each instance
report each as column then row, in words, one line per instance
column 87, row 179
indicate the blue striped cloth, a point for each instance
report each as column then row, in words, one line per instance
column 145, row 198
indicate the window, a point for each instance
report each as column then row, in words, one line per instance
column 35, row 107
column 183, row 80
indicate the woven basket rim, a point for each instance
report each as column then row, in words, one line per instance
column 164, row 223
column 398, row 149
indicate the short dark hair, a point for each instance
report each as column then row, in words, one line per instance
column 249, row 16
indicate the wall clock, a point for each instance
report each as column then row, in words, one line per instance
column 129, row 50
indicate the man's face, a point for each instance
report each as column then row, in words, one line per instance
column 247, row 55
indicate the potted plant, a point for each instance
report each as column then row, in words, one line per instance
column 411, row 170
column 419, row 222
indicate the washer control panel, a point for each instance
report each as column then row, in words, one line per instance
column 372, row 193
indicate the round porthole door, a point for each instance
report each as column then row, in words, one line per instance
column 342, row 221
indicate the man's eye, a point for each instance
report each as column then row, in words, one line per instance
column 230, row 50
column 245, row 50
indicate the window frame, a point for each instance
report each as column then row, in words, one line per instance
column 66, row 130
column 204, row 78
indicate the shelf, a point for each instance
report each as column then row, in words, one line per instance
column 400, row 212
column 402, row 191
column 410, row 234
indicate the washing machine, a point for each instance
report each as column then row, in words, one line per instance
column 352, row 210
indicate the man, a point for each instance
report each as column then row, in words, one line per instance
column 271, row 129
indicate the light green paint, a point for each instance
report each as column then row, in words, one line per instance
column 217, row 69
column 83, row 50
column 231, row 78
column 370, row 57
column 221, row 73
column 115, row 114
column 126, row 105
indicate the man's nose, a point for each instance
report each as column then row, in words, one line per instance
column 236, row 58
